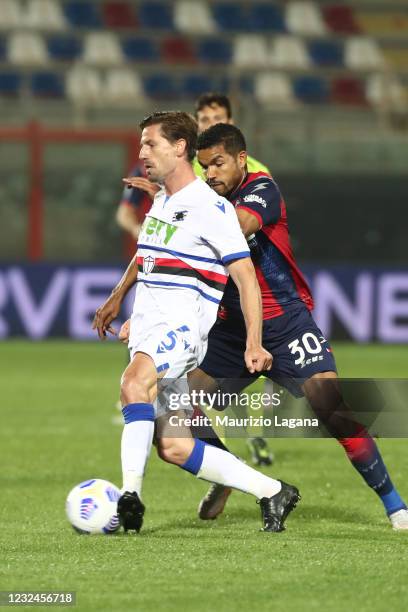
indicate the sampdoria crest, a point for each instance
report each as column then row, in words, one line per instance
column 148, row 264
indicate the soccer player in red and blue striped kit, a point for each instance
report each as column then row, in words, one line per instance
column 302, row 358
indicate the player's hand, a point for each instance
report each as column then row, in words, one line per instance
column 124, row 332
column 104, row 316
column 139, row 182
column 257, row 359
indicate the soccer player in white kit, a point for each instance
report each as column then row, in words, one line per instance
column 189, row 243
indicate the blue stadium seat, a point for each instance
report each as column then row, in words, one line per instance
column 222, row 85
column 193, row 85
column 64, row 48
column 83, row 14
column 227, row 86
column 326, row 53
column 160, row 86
column 246, row 85
column 156, row 15
column 230, row 17
column 311, row 90
column 10, row 83
column 214, row 50
column 140, row 49
column 47, row 84
column 265, row 17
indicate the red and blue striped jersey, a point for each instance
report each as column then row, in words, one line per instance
column 282, row 284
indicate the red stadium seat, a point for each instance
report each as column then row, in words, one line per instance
column 177, row 51
column 119, row 15
column 340, row 18
column 348, row 91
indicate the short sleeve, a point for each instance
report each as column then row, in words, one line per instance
column 223, row 231
column 262, row 198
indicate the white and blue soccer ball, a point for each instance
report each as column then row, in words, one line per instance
column 91, row 507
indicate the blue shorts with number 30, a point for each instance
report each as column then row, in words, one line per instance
column 297, row 345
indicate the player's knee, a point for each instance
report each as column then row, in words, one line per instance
column 133, row 389
column 173, row 450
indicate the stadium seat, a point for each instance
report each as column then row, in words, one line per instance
column 44, row 14
column 288, row 52
column 123, row 88
column 47, row 84
column 246, row 85
column 274, row 89
column 156, row 15
column 11, row 14
column 303, row 17
column 348, row 91
column 83, row 14
column 160, row 86
column 193, row 17
column 265, row 17
column 193, row 85
column 214, row 51
column 138, row 49
column 102, row 49
column 311, row 90
column 84, row 86
column 27, row 49
column 326, row 53
column 177, row 51
column 362, row 53
column 230, row 17
column 118, row 15
column 222, row 84
column 64, row 48
column 340, row 19
column 250, row 50
column 385, row 92
column 10, row 83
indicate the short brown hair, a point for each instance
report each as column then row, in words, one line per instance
column 175, row 125
column 211, row 98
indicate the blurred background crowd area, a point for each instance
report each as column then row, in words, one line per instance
column 320, row 89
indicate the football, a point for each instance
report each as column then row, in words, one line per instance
column 91, row 507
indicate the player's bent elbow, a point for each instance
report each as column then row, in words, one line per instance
column 125, row 217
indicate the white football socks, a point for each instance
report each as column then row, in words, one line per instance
column 136, row 445
column 223, row 468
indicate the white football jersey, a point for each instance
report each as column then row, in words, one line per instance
column 184, row 245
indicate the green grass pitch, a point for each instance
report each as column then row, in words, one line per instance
column 338, row 553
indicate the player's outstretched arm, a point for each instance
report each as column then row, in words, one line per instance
column 242, row 271
column 140, row 182
column 109, row 310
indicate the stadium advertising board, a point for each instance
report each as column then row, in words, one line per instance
column 40, row 300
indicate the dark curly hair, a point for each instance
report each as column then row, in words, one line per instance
column 222, row 133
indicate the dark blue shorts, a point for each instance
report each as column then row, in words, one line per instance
column 297, row 345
